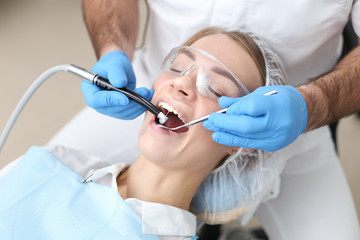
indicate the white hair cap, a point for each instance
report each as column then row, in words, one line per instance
column 240, row 184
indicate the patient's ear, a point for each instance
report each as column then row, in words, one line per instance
column 248, row 150
column 233, row 150
column 244, row 151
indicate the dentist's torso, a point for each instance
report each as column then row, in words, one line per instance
column 305, row 33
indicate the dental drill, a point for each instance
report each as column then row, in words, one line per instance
column 102, row 82
column 87, row 76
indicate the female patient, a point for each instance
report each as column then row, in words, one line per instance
column 178, row 177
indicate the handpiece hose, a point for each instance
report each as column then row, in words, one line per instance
column 104, row 83
column 88, row 76
column 26, row 97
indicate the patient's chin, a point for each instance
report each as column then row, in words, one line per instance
column 153, row 149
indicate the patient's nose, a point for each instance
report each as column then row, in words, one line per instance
column 185, row 85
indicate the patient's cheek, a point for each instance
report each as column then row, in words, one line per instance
column 160, row 81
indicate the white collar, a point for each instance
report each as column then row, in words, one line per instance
column 158, row 219
column 107, row 176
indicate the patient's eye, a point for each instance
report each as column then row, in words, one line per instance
column 214, row 92
column 180, row 64
column 175, row 70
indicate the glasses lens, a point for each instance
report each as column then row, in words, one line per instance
column 213, row 79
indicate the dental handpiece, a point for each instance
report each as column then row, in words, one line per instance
column 104, row 83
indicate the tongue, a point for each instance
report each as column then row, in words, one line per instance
column 174, row 121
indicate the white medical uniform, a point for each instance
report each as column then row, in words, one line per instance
column 314, row 201
column 165, row 221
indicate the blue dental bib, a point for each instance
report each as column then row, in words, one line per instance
column 43, row 199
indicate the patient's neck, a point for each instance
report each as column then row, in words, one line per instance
column 147, row 181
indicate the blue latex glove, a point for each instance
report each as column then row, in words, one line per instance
column 262, row 122
column 116, row 67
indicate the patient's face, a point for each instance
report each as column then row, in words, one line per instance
column 193, row 149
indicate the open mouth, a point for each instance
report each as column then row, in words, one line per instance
column 174, row 117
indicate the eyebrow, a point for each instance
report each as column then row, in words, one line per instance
column 189, row 54
column 225, row 73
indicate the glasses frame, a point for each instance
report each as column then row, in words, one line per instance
column 172, row 55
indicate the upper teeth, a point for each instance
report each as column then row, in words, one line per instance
column 166, row 106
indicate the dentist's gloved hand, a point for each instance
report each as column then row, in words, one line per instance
column 116, row 67
column 262, row 122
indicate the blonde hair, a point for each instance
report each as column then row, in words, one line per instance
column 242, row 39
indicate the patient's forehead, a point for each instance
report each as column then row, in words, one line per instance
column 235, row 57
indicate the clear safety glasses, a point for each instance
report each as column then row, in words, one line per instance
column 213, row 78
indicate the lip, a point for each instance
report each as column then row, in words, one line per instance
column 175, row 105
